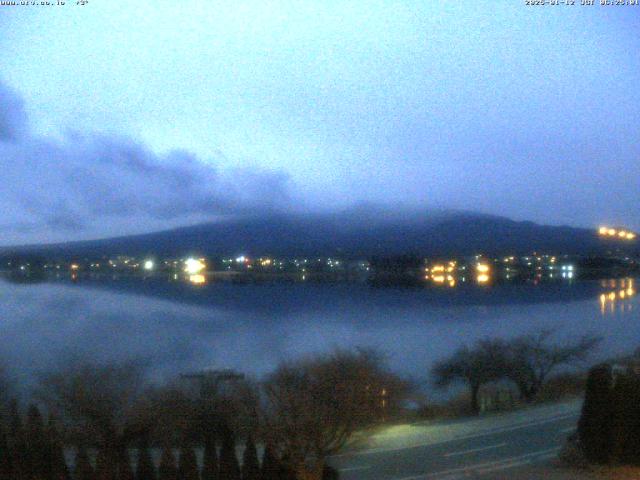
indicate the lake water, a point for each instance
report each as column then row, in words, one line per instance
column 178, row 327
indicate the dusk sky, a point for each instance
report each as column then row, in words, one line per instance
column 126, row 117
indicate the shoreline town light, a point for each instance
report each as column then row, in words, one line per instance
column 483, row 271
column 194, row 266
column 482, row 268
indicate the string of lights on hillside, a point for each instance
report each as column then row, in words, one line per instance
column 617, row 233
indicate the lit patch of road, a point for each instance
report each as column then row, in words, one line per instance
column 459, row 449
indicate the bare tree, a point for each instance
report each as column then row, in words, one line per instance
column 483, row 363
column 313, row 406
column 532, row 358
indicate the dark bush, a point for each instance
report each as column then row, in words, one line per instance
column 330, row 473
column 595, row 424
column 626, row 421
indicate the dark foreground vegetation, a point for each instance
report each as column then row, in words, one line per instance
column 106, row 423
column 609, row 427
column 109, row 423
column 526, row 362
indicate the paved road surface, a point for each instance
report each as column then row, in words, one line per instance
column 462, row 449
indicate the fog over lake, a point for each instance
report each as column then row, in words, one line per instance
column 174, row 327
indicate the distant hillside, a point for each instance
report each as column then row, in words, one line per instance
column 356, row 233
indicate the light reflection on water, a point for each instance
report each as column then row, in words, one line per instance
column 178, row 325
column 617, row 296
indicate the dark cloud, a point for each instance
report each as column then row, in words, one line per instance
column 13, row 118
column 109, row 186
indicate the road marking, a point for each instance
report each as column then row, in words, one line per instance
column 354, row 469
column 513, row 427
column 502, row 464
column 473, row 450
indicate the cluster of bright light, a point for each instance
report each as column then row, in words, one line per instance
column 621, row 233
column 623, row 290
column 620, row 295
column 482, row 268
column 149, row 265
column 439, row 268
column 242, row 259
column 441, row 273
column 265, row 262
column 441, row 278
column 197, row 279
column 75, row 266
column 193, row 266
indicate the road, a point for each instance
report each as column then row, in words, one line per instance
column 462, row 449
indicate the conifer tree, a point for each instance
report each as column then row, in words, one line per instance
column 83, row 468
column 36, row 445
column 106, row 464
column 124, row 470
column 167, row 469
column 17, row 443
column 210, row 459
column 56, row 462
column 188, row 464
column 6, row 460
column 145, row 470
column 595, row 424
column 229, row 468
column 250, row 465
column 270, row 466
column 285, row 469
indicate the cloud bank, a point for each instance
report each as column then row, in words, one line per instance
column 88, row 186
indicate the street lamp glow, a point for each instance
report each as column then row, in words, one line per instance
column 148, row 265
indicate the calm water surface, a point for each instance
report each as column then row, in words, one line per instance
column 177, row 327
